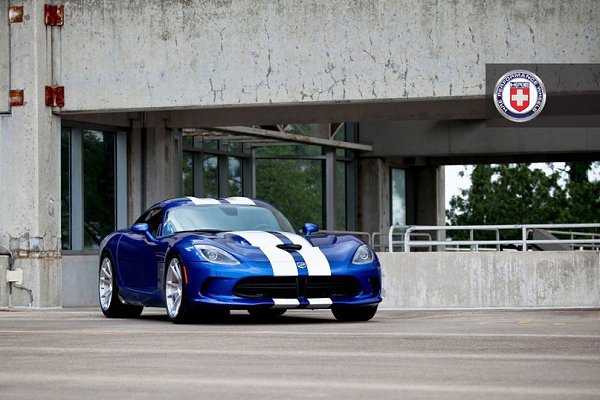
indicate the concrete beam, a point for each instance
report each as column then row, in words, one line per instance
column 201, row 53
column 461, row 141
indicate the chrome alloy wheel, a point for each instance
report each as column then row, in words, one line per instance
column 105, row 283
column 173, row 287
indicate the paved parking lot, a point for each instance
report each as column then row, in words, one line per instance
column 75, row 354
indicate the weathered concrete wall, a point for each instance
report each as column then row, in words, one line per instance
column 4, row 52
column 437, row 280
column 30, row 164
column 495, row 279
column 80, row 280
column 155, row 53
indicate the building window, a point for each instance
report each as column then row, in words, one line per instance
column 398, row 196
column 93, row 186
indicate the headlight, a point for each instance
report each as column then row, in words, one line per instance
column 216, row 255
column 363, row 255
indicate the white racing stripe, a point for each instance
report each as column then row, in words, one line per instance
column 199, row 202
column 316, row 262
column 240, row 201
column 320, row 302
column 282, row 262
column 285, row 303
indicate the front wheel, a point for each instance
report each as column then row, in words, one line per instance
column 354, row 314
column 108, row 293
column 175, row 292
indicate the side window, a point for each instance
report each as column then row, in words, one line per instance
column 153, row 218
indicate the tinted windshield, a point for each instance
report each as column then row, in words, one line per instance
column 224, row 217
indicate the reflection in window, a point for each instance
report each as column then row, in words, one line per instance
column 211, row 186
column 340, row 196
column 65, row 188
column 98, row 186
column 234, row 176
column 398, row 196
column 294, row 186
column 187, row 163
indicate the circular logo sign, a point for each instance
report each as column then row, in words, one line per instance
column 520, row 95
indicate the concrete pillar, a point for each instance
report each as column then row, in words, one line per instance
column 154, row 162
column 30, row 164
column 373, row 195
column 427, row 196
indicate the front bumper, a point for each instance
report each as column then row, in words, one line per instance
column 215, row 285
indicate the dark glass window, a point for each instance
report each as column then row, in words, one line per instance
column 211, row 186
column 188, row 173
column 65, row 188
column 98, row 186
column 235, row 176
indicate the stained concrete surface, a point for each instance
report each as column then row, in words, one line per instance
column 306, row 354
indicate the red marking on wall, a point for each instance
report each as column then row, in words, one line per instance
column 54, row 14
column 16, row 97
column 15, row 14
column 55, row 96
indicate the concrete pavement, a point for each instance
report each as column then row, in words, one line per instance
column 74, row 354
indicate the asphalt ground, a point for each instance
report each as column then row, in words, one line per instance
column 80, row 354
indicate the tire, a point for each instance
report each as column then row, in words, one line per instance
column 108, row 292
column 176, row 303
column 266, row 313
column 354, row 314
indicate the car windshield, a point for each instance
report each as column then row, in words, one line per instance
column 224, row 217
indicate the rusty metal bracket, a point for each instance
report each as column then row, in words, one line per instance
column 55, row 96
column 54, row 14
column 16, row 97
column 15, row 14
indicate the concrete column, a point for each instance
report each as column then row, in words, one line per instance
column 155, row 166
column 373, row 195
column 30, row 165
column 428, row 196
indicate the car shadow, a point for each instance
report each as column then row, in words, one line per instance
column 239, row 318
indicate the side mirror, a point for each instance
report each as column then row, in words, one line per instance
column 140, row 229
column 143, row 229
column 308, row 229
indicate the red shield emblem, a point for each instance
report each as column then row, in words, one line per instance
column 519, row 95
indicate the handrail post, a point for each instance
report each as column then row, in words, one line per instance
column 407, row 239
column 498, row 246
column 390, row 233
column 524, row 237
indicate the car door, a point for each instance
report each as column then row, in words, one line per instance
column 137, row 255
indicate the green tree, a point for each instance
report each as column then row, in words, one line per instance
column 517, row 194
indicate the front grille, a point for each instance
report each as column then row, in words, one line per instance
column 292, row 287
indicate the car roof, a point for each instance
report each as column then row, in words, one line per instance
column 176, row 202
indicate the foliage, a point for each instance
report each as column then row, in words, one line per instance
column 517, row 194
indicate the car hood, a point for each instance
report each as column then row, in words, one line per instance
column 279, row 246
column 258, row 244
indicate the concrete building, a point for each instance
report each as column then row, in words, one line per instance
column 392, row 90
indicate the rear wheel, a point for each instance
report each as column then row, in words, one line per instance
column 108, row 293
column 354, row 314
column 266, row 313
column 175, row 292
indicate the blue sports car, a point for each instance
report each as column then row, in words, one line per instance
column 200, row 257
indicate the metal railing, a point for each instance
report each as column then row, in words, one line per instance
column 590, row 241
